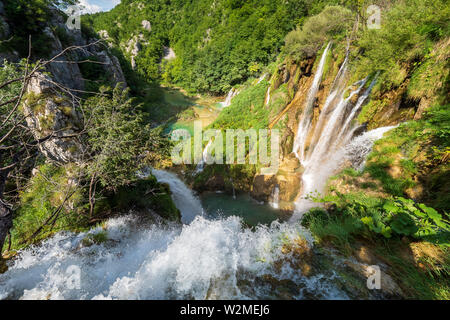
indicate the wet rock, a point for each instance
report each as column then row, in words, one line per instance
column 3, row 266
column 5, row 224
column 263, row 186
column 364, row 255
column 288, row 179
column 423, row 106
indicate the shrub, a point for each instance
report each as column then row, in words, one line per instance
column 333, row 22
column 409, row 30
column 44, row 204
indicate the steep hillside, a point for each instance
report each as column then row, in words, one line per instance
column 217, row 44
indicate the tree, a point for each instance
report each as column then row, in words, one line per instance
column 119, row 141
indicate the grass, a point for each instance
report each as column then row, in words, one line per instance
column 423, row 277
column 413, row 157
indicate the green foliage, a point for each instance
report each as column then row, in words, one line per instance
column 46, row 193
column 28, row 18
column 392, row 217
column 118, row 137
column 417, row 148
column 141, row 195
column 94, row 74
column 340, row 231
column 231, row 42
column 409, row 30
column 333, row 23
column 95, row 238
column 247, row 110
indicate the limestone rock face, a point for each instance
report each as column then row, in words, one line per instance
column 65, row 73
column 112, row 68
column 288, row 181
column 169, row 54
column 133, row 47
column 263, row 186
column 51, row 114
column 65, row 70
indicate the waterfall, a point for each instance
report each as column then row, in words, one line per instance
column 262, row 78
column 327, row 141
column 217, row 259
column 305, row 122
column 233, row 92
column 275, row 198
column 201, row 164
column 338, row 86
column 188, row 204
column 360, row 147
column 267, row 97
column 362, row 99
column 233, row 188
column 332, row 138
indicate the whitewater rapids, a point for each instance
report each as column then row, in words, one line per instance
column 216, row 259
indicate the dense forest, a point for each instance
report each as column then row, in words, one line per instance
column 84, row 115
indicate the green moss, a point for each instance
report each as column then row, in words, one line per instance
column 95, row 239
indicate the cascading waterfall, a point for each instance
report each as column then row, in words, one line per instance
column 267, row 97
column 205, row 157
column 188, row 204
column 262, row 78
column 327, row 141
column 362, row 99
column 360, row 147
column 305, row 122
column 231, row 94
column 275, row 198
column 331, row 135
column 207, row 259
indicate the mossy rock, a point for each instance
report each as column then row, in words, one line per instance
column 97, row 238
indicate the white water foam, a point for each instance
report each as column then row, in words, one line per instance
column 204, row 260
column 305, row 122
